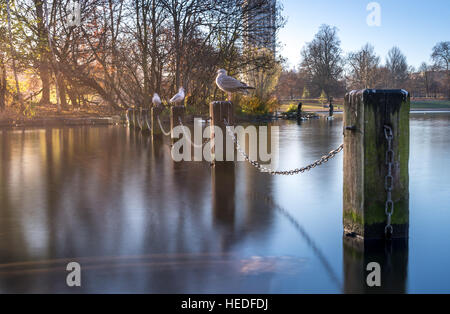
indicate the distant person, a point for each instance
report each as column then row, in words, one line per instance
column 331, row 107
column 299, row 110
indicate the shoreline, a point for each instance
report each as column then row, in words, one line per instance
column 60, row 121
column 116, row 119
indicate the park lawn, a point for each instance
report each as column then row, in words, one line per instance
column 415, row 105
column 312, row 107
column 430, row 104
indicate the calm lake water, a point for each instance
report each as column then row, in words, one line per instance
column 115, row 202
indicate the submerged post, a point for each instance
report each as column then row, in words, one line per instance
column 220, row 111
column 376, row 177
column 144, row 119
column 129, row 116
column 154, row 121
column 223, row 173
column 176, row 113
column 139, row 118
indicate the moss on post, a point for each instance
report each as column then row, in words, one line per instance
column 366, row 114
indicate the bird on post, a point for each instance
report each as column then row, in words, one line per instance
column 179, row 97
column 156, row 100
column 230, row 85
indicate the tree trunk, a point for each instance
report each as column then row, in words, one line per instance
column 177, row 55
column 73, row 97
column 154, row 54
column 2, row 84
column 43, row 62
column 62, row 91
column 12, row 51
column 448, row 82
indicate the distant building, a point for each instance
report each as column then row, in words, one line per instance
column 260, row 24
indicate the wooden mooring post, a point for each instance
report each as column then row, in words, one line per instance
column 220, row 111
column 223, row 172
column 130, row 117
column 367, row 160
column 154, row 123
column 176, row 113
column 144, row 119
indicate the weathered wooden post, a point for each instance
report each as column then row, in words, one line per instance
column 223, row 173
column 376, row 156
column 130, row 117
column 139, row 118
column 220, row 111
column 154, row 121
column 176, row 114
column 134, row 118
column 144, row 119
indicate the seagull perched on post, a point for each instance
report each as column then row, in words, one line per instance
column 179, row 97
column 156, row 100
column 230, row 85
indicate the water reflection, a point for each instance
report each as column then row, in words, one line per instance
column 113, row 200
column 392, row 256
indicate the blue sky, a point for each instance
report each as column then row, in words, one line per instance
column 415, row 26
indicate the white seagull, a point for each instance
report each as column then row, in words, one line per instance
column 230, row 85
column 179, row 97
column 156, row 100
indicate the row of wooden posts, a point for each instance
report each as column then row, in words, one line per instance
column 366, row 113
column 148, row 119
column 366, row 174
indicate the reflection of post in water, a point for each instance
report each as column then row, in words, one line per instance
column 222, row 174
column 392, row 256
column 376, row 188
column 223, row 192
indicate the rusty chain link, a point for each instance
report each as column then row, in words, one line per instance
column 389, row 181
column 261, row 168
column 162, row 129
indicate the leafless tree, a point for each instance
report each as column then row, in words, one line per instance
column 441, row 58
column 397, row 66
column 364, row 67
column 322, row 59
column 13, row 52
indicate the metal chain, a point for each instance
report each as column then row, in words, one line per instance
column 261, row 168
column 389, row 181
column 162, row 129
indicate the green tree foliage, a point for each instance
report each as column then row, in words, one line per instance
column 323, row 98
column 305, row 94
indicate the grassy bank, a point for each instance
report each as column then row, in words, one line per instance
column 416, row 104
column 430, row 104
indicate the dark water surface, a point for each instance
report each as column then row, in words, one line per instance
column 114, row 201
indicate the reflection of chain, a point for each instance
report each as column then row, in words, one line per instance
column 162, row 129
column 389, row 180
column 188, row 138
column 147, row 122
column 309, row 240
column 261, row 168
